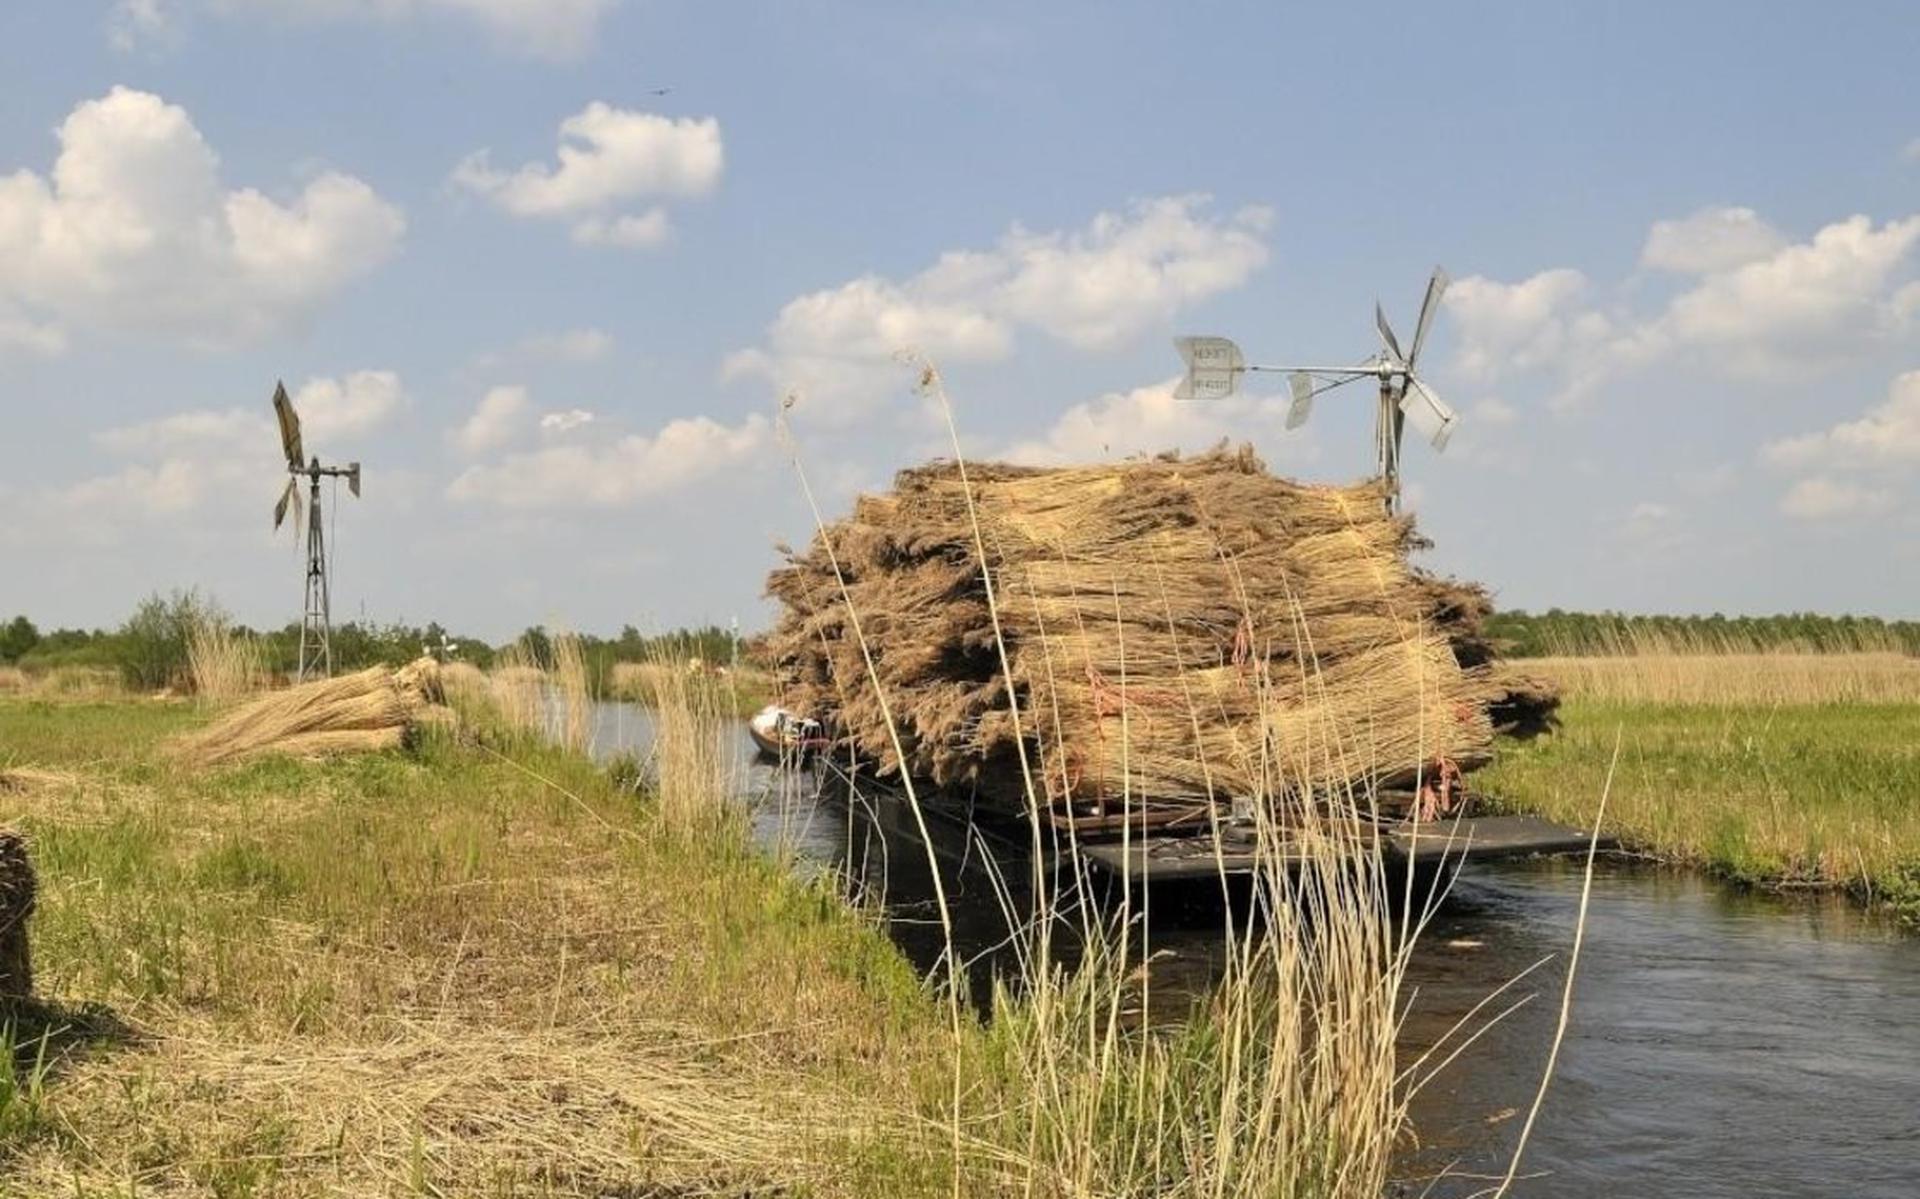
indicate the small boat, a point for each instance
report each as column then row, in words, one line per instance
column 780, row 733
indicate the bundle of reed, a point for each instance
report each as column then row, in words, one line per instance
column 1176, row 632
column 17, row 889
column 372, row 709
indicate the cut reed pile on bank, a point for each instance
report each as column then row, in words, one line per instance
column 370, row 710
column 1177, row 631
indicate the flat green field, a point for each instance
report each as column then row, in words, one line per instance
column 1780, row 795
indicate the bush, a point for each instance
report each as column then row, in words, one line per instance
column 17, row 638
column 152, row 645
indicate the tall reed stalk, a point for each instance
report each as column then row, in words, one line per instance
column 222, row 663
column 694, row 767
column 569, row 695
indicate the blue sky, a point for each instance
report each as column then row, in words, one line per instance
column 554, row 312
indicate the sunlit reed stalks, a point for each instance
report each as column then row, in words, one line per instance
column 1737, row 678
column 569, row 695
column 222, row 663
column 693, row 765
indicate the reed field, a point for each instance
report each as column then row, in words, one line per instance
column 1695, row 679
column 739, row 690
column 1784, row 769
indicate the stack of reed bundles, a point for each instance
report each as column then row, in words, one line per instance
column 17, row 891
column 1180, row 633
column 369, row 710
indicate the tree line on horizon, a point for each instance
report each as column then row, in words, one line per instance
column 1557, row 632
column 149, row 650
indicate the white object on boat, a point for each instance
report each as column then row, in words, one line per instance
column 777, row 731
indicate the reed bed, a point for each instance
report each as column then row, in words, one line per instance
column 223, row 664
column 1737, row 678
column 80, row 683
column 548, row 701
column 694, row 766
column 742, row 689
column 1627, row 635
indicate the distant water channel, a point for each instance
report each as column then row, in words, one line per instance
column 1723, row 1044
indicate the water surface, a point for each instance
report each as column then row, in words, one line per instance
column 1722, row 1043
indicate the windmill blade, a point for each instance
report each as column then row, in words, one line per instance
column 353, row 479
column 289, row 501
column 1428, row 413
column 289, row 427
column 1429, row 308
column 1386, row 334
column 1301, row 384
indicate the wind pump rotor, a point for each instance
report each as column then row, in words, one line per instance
column 1215, row 366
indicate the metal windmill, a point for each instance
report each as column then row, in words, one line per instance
column 316, row 620
column 1215, row 364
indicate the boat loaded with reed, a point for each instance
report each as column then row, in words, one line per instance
column 1168, row 646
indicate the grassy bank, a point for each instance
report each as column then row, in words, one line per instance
column 1780, row 794
column 432, row 974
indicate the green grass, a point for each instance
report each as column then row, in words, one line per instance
column 311, row 958
column 1815, row 795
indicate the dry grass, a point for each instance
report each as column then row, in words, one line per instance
column 223, row 664
column 432, row 1108
column 77, row 683
column 1737, row 678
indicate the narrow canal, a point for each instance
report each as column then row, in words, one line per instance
column 1722, row 1043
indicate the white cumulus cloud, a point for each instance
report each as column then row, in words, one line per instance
column 1823, row 498
column 1094, row 288
column 1710, row 241
column 1507, row 328
column 609, row 158
column 345, row 409
column 496, row 421
column 132, row 230
column 614, row 472
column 1887, row 435
column 212, row 460
column 1757, row 307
